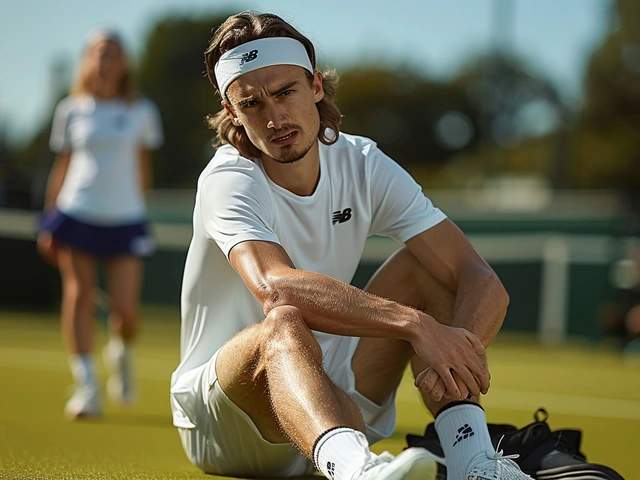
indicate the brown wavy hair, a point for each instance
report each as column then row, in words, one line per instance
column 245, row 27
column 83, row 85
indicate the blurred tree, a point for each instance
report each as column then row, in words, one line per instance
column 608, row 140
column 29, row 170
column 28, row 166
column 515, row 103
column 414, row 120
column 5, row 162
column 171, row 73
column 520, row 118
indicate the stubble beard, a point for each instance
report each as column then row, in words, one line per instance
column 288, row 153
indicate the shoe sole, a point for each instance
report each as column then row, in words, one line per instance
column 84, row 415
column 578, row 472
column 83, row 410
column 562, row 473
column 412, row 464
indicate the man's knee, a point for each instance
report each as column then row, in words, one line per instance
column 250, row 351
column 284, row 332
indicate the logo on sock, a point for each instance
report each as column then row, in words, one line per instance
column 463, row 432
column 331, row 468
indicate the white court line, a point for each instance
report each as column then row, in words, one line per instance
column 558, row 403
column 561, row 403
column 51, row 361
column 521, row 400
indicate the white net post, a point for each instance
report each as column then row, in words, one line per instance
column 554, row 291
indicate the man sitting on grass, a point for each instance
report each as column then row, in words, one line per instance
column 285, row 367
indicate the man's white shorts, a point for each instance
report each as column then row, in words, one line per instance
column 225, row 440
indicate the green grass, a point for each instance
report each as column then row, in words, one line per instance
column 581, row 386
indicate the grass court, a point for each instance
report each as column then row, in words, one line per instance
column 582, row 386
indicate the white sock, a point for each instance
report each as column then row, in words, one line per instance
column 117, row 347
column 463, row 434
column 118, row 359
column 83, row 369
column 338, row 453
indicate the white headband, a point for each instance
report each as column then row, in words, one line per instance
column 264, row 52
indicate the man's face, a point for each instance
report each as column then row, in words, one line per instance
column 277, row 107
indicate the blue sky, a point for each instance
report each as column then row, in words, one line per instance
column 555, row 37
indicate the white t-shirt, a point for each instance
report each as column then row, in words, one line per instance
column 102, row 184
column 361, row 192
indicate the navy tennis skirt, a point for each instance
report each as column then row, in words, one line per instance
column 101, row 241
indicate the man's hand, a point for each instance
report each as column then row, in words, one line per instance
column 438, row 392
column 456, row 367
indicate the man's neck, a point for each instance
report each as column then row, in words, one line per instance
column 299, row 177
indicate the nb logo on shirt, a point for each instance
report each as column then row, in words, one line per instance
column 249, row 56
column 341, row 216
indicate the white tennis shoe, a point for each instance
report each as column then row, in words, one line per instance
column 492, row 465
column 84, row 403
column 411, row 464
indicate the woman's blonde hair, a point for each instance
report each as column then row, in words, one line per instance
column 245, row 27
column 83, row 84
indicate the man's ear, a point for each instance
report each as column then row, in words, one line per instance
column 318, row 91
column 228, row 108
column 231, row 113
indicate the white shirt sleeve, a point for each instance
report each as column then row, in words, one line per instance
column 59, row 141
column 236, row 207
column 151, row 135
column 399, row 207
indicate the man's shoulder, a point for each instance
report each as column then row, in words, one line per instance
column 229, row 156
column 228, row 159
column 358, row 151
column 355, row 143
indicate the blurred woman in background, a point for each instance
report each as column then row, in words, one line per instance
column 95, row 211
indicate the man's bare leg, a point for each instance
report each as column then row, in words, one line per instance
column 273, row 371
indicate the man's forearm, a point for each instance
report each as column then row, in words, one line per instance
column 329, row 305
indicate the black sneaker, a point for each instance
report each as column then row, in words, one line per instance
column 543, row 454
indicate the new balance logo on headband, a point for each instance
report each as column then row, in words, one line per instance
column 249, row 56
